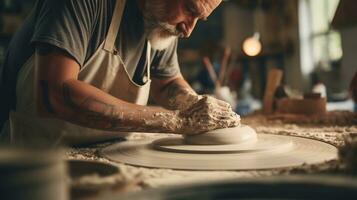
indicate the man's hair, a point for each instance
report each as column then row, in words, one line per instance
column 155, row 10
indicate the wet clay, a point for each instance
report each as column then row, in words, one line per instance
column 235, row 135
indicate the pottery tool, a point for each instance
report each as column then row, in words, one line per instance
column 220, row 91
column 222, row 71
column 274, row 79
column 237, row 148
column 210, row 69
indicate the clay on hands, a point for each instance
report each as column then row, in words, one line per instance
column 184, row 99
column 207, row 114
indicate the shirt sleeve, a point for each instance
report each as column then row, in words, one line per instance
column 66, row 24
column 165, row 63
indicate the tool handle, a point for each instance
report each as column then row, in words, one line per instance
column 274, row 79
column 212, row 73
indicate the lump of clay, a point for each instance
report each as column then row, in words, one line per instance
column 236, row 135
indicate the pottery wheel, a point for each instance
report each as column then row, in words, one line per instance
column 266, row 152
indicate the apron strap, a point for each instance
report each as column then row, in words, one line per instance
column 148, row 59
column 114, row 26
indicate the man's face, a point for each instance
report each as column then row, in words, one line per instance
column 166, row 20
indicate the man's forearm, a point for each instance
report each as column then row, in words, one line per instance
column 88, row 106
column 176, row 95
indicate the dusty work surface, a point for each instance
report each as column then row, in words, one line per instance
column 330, row 129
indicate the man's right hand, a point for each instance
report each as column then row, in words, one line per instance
column 207, row 114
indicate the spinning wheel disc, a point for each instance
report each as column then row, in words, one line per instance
column 270, row 151
column 177, row 144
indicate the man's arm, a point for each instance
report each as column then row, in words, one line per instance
column 60, row 94
column 174, row 93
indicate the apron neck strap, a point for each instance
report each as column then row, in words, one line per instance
column 114, row 26
column 148, row 58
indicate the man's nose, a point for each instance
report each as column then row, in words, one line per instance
column 188, row 27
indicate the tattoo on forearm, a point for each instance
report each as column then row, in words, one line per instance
column 180, row 97
column 95, row 112
column 45, row 96
column 173, row 89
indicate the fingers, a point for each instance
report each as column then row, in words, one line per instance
column 209, row 114
column 211, row 104
column 212, row 100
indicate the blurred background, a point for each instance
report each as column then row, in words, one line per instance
column 311, row 41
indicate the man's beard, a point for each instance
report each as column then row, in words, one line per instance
column 159, row 33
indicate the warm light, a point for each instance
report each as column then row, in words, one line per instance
column 252, row 45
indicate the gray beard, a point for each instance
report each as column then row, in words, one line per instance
column 160, row 34
column 159, row 41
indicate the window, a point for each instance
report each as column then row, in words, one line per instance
column 320, row 45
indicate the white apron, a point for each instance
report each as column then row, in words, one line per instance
column 104, row 70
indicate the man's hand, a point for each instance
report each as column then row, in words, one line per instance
column 194, row 113
column 207, row 114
